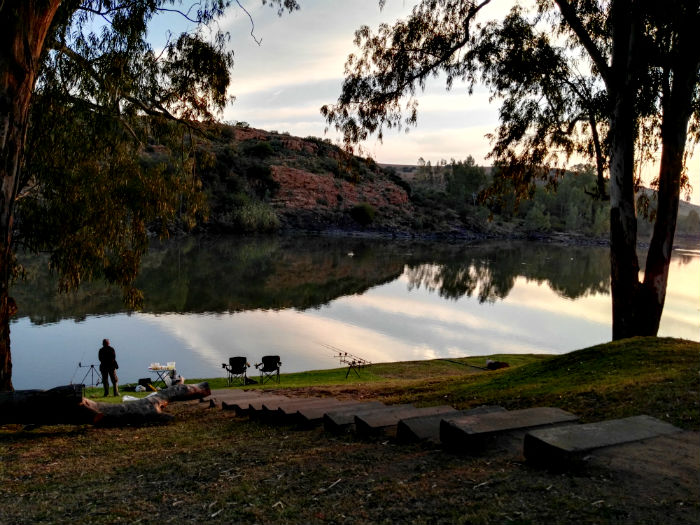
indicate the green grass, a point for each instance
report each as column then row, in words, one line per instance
column 655, row 376
column 210, row 466
column 390, row 374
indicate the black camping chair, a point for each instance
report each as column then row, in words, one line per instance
column 270, row 368
column 237, row 369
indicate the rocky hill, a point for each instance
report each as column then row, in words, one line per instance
column 258, row 180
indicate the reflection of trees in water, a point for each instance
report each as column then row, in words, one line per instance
column 193, row 275
column 489, row 272
column 453, row 281
column 229, row 274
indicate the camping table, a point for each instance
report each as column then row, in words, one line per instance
column 161, row 372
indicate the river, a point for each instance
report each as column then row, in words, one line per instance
column 304, row 298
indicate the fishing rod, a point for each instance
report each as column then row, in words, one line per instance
column 354, row 362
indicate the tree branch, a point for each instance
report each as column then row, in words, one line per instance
column 569, row 14
column 252, row 23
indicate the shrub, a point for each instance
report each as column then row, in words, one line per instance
column 260, row 150
column 254, row 217
column 363, row 213
column 261, row 180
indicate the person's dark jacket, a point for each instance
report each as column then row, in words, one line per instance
column 108, row 358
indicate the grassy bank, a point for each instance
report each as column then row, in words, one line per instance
column 655, row 376
column 211, row 467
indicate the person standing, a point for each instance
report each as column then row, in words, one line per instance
column 108, row 367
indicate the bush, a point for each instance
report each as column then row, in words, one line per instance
column 260, row 150
column 261, row 180
column 363, row 213
column 254, row 217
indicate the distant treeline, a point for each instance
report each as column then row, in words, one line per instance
column 564, row 203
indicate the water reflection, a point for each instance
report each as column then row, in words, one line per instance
column 271, row 273
column 489, row 272
column 206, row 300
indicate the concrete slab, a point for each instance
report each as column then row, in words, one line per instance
column 427, row 428
column 296, row 404
column 385, row 421
column 285, row 412
column 313, row 415
column 230, row 396
column 470, row 434
column 344, row 420
column 256, row 406
column 242, row 407
column 566, row 446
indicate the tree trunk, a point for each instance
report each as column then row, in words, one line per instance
column 66, row 405
column 25, row 25
column 60, row 405
column 624, row 265
column 677, row 109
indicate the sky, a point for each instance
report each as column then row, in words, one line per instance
column 281, row 84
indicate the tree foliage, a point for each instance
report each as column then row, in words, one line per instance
column 554, row 104
column 612, row 82
column 83, row 95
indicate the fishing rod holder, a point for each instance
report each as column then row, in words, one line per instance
column 93, row 372
column 354, row 363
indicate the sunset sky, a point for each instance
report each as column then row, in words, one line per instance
column 281, row 84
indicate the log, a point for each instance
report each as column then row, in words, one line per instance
column 57, row 406
column 65, row 405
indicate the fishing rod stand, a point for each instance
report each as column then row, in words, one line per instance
column 95, row 375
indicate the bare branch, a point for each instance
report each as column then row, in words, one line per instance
column 252, row 23
column 569, row 14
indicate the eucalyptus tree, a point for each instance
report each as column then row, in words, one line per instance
column 81, row 92
column 613, row 81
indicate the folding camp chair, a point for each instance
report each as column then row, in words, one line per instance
column 237, row 369
column 270, row 367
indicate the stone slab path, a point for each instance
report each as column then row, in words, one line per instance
column 545, row 435
column 220, row 397
column 343, row 420
column 471, row 433
column 569, row 444
column 385, row 421
column 313, row 415
column 286, row 411
column 427, row 428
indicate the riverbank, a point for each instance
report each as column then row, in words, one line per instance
column 209, row 466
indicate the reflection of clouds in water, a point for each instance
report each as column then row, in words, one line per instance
column 453, row 328
column 417, row 306
column 681, row 316
column 296, row 336
column 389, row 322
column 595, row 309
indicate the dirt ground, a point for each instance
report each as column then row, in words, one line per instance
column 211, row 467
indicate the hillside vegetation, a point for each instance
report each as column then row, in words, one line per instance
column 263, row 181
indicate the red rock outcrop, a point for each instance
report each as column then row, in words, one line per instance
column 303, row 190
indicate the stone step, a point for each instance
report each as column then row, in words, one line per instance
column 470, row 434
column 249, row 406
column 342, row 420
column 285, row 412
column 313, row 415
column 427, row 428
column 258, row 407
column 567, row 446
column 385, row 421
column 218, row 397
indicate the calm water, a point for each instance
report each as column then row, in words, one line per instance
column 303, row 297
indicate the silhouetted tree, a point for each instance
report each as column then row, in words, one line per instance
column 79, row 79
column 615, row 79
